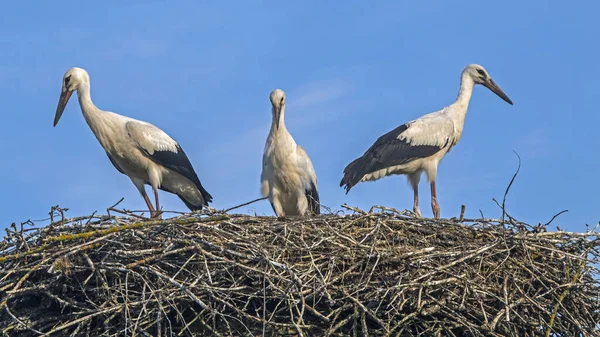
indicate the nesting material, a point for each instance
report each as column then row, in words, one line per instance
column 359, row 274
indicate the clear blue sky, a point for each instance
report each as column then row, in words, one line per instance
column 352, row 71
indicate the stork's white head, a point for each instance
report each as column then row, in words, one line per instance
column 481, row 76
column 278, row 101
column 72, row 80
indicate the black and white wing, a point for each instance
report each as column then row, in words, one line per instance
column 309, row 178
column 419, row 138
column 165, row 151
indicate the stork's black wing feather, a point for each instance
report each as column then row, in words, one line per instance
column 312, row 197
column 180, row 163
column 387, row 151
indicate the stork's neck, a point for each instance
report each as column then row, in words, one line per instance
column 91, row 113
column 281, row 136
column 282, row 129
column 466, row 89
column 458, row 109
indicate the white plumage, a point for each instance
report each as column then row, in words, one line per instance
column 138, row 149
column 288, row 177
column 419, row 145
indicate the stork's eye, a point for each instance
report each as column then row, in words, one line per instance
column 481, row 72
column 67, row 79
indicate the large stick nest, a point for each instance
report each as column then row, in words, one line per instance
column 380, row 273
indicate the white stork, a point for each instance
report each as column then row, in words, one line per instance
column 137, row 149
column 419, row 145
column 288, row 177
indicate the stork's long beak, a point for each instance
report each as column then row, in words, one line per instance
column 277, row 116
column 62, row 103
column 490, row 84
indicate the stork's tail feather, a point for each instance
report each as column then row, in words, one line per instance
column 353, row 173
column 312, row 197
column 190, row 206
column 206, row 198
column 205, row 195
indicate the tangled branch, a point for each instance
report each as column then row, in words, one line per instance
column 364, row 274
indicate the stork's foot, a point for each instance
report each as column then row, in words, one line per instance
column 436, row 208
column 417, row 212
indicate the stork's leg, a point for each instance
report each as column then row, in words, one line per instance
column 414, row 179
column 434, row 204
column 139, row 184
column 154, row 180
column 416, row 201
column 147, row 200
column 158, row 213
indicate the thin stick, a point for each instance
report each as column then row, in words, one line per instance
column 244, row 204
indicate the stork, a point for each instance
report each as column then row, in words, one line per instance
column 288, row 177
column 137, row 149
column 419, row 145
